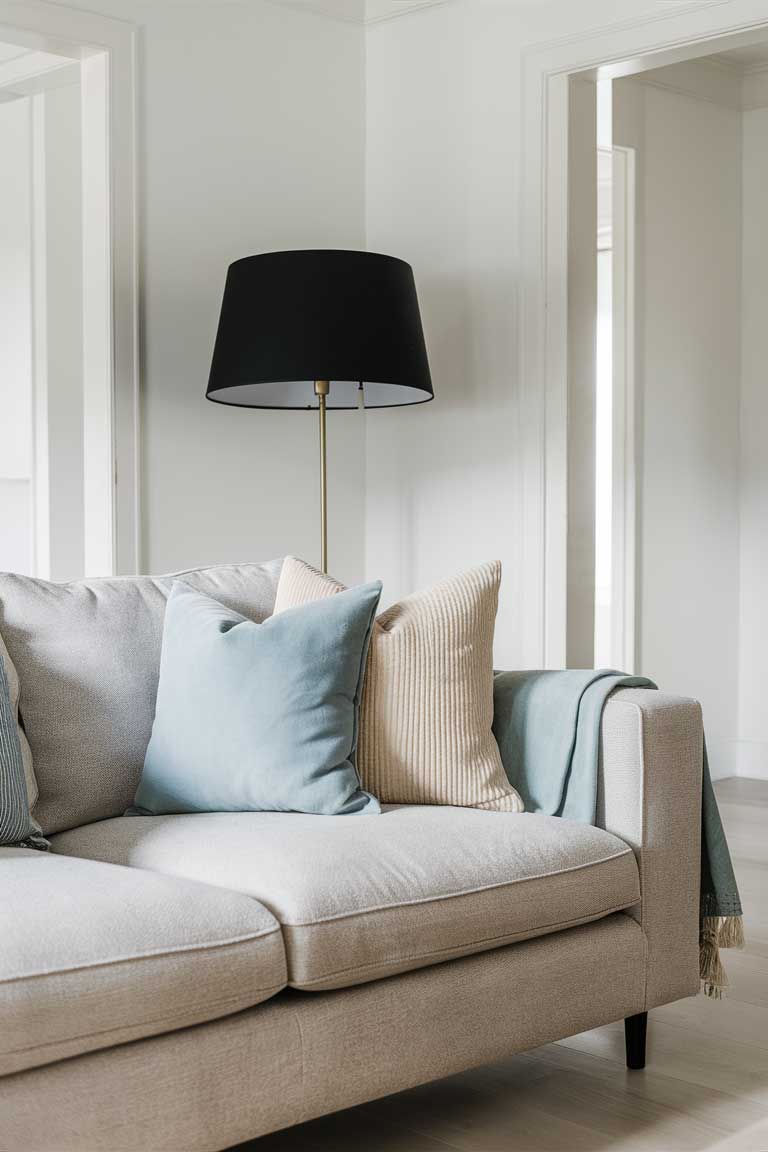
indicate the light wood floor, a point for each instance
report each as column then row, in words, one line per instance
column 705, row 1086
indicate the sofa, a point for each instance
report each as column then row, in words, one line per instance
column 195, row 981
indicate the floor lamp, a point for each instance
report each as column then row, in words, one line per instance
column 320, row 329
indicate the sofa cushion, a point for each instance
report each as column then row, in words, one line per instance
column 361, row 899
column 88, row 659
column 93, row 955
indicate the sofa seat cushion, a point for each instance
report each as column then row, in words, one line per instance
column 93, row 955
column 362, row 899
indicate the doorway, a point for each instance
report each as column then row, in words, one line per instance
column 42, row 531
column 68, row 290
column 695, row 421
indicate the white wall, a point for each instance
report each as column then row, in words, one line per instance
column 688, row 156
column 442, row 154
column 753, row 714
column 251, row 129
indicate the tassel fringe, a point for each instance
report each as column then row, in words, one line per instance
column 711, row 969
column 717, row 932
column 731, row 933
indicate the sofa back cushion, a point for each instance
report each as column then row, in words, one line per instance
column 88, row 659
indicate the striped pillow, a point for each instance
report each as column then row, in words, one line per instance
column 14, row 691
column 16, row 824
column 427, row 708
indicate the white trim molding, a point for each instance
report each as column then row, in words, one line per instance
column 361, row 12
column 380, row 11
column 105, row 50
column 735, row 757
column 342, row 11
column 751, row 759
column 623, row 503
column 681, row 32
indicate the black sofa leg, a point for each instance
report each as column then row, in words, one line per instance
column 635, row 1028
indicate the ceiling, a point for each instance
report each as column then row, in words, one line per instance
column 24, row 71
column 753, row 58
column 12, row 52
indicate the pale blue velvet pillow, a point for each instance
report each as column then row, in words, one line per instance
column 259, row 717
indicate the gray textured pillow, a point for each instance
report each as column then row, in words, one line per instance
column 88, row 659
column 16, row 824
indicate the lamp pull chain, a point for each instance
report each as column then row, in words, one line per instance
column 322, row 387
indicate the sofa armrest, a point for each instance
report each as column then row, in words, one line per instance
column 649, row 794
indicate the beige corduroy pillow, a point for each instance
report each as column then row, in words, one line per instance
column 427, row 708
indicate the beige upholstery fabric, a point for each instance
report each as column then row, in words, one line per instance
column 88, row 657
column 93, row 955
column 650, row 796
column 427, row 709
column 366, row 897
column 298, row 1056
column 26, row 752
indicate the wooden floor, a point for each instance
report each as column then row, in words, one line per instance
column 705, row 1086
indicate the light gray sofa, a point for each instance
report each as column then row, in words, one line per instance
column 190, row 982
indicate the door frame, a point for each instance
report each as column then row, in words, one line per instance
column 106, row 51
column 624, row 485
column 611, row 51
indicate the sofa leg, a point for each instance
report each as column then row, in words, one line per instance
column 635, row 1028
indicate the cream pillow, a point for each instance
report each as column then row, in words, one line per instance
column 427, row 708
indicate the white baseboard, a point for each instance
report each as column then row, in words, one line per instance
column 753, row 759
column 733, row 757
column 723, row 758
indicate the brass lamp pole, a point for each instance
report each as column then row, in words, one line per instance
column 322, row 388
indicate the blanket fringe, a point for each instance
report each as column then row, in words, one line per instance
column 731, row 932
column 717, row 932
column 711, row 969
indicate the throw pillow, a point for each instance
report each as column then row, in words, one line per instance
column 14, row 690
column 16, row 824
column 427, row 710
column 259, row 717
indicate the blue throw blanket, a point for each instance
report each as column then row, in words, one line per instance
column 547, row 725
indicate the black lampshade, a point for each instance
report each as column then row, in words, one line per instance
column 290, row 318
